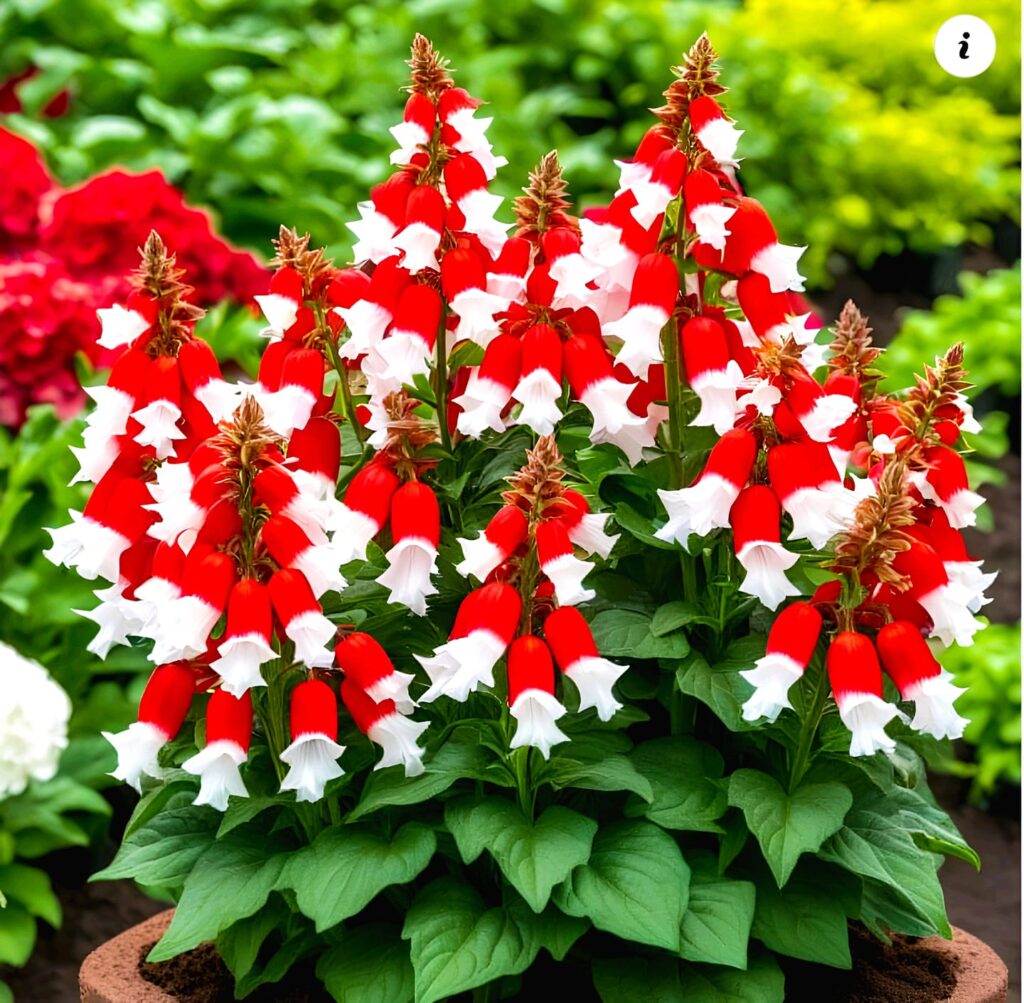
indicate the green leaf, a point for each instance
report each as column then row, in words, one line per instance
column 345, row 868
column 684, row 775
column 610, row 773
column 635, row 885
column 721, row 688
column 457, row 943
column 230, row 881
column 805, row 920
column 369, row 965
column 663, row 980
column 239, row 945
column 164, row 849
column 625, row 633
column 674, row 615
column 787, row 825
column 17, row 935
column 534, row 856
column 716, row 924
column 31, row 887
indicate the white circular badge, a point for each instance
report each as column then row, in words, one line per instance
column 965, row 46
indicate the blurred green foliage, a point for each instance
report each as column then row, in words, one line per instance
column 990, row 670
column 277, row 112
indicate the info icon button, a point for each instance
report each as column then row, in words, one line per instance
column 965, row 46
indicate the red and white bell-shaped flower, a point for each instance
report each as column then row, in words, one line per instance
column 302, row 617
column 167, row 574
column 755, row 519
column 164, row 705
column 364, row 512
column 706, row 504
column 466, row 184
column 314, row 459
column 275, row 487
column 569, row 637
column 465, row 286
column 560, row 565
column 382, row 723
column 202, row 377
column 405, row 352
column 289, row 406
column 415, row 129
column 490, row 387
column 716, row 133
column 753, row 246
column 245, row 646
column 228, row 733
column 540, row 387
column 501, row 537
column 856, row 679
column 363, row 660
column 420, row 238
column 161, row 413
column 949, row 544
column 290, row 547
column 586, row 529
column 312, row 757
column 531, row 696
column 281, row 305
column 655, row 141
column 918, row 676
column 651, row 302
column 368, row 316
column 115, row 400
column 817, row 410
column 711, row 373
column 706, row 208
column 380, row 219
column 181, row 513
column 568, row 269
column 506, row 278
column 791, row 643
column 772, row 316
column 466, row 133
column 416, row 532
column 121, row 325
column 945, row 484
column 484, row 626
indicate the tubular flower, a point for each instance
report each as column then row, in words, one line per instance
column 945, row 484
column 558, row 562
column 856, row 679
column 302, row 617
column 314, row 459
column 710, row 371
column 531, row 696
column 706, row 209
column 505, row 532
column 569, row 637
column 586, row 529
column 281, row 305
column 416, row 531
column 490, row 387
column 652, row 299
column 364, row 661
column 290, row 547
column 275, row 487
column 918, row 676
column 540, row 386
column 755, row 518
column 716, row 133
column 246, row 644
column 312, row 757
column 465, row 285
column 949, row 544
column 384, row 725
column 405, row 350
column 791, row 644
column 364, row 512
column 753, row 246
column 228, row 733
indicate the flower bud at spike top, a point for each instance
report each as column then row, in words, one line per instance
column 818, row 411
column 292, row 548
column 531, row 696
column 485, row 624
column 246, row 645
column 755, row 518
column 791, row 643
column 364, row 661
column 202, row 377
column 946, row 602
column 164, row 705
column 312, row 757
column 410, row 339
column 365, row 510
column 540, row 387
column 706, row 209
column 501, row 537
column 753, row 246
column 560, row 565
column 506, row 278
column 121, row 325
column 717, row 134
column 654, row 193
column 160, row 415
column 412, row 561
column 568, row 635
column 415, row 129
column 712, row 375
column 466, row 183
column 918, row 676
column 706, row 504
column 490, row 387
column 652, row 299
column 315, row 450
column 593, row 383
column 420, row 238
column 302, row 617
column 302, row 382
column 381, row 722
column 945, row 484
column 586, row 529
column 804, row 479
column 856, row 679
column 464, row 284
column 276, row 488
column 228, row 733
column 281, row 305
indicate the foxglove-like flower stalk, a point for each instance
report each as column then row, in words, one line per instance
column 363, row 660
column 501, row 537
column 531, row 696
column 711, row 373
column 755, row 519
column 246, row 645
column 382, row 723
column 312, row 757
column 302, row 617
column 569, row 637
column 558, row 562
column 228, row 733
column 918, row 676
column 416, row 531
column 651, row 302
column 164, row 704
column 791, row 643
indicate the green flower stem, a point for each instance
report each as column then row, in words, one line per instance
column 801, row 759
column 521, row 766
column 441, row 378
column 673, row 384
column 347, row 407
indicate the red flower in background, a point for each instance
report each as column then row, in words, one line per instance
column 26, row 181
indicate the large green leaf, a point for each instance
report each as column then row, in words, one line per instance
column 458, row 943
column 370, row 964
column 720, row 687
column 787, row 825
column 31, row 887
column 622, row 633
column 662, row 980
column 684, row 777
column 338, row 875
column 635, row 885
column 613, row 772
column 534, row 856
column 716, row 924
column 17, row 934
